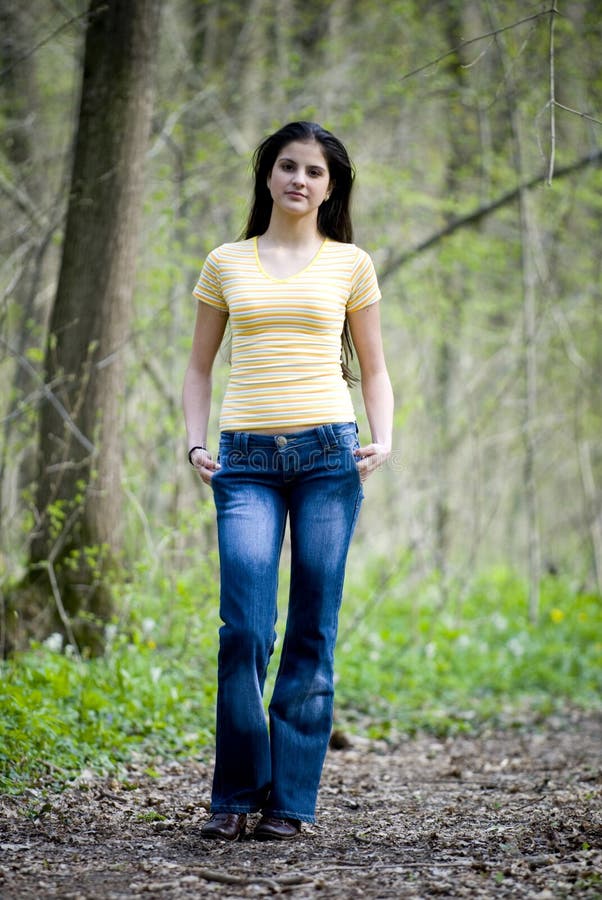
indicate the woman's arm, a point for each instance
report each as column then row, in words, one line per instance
column 376, row 387
column 196, row 395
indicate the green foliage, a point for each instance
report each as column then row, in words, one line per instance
column 403, row 663
column 60, row 715
column 410, row 663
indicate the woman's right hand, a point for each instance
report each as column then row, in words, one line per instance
column 204, row 464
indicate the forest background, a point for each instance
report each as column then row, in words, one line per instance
column 475, row 580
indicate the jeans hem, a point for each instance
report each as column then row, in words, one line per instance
column 238, row 809
column 287, row 814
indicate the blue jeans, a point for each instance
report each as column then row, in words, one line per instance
column 310, row 476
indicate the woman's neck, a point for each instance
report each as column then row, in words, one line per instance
column 293, row 232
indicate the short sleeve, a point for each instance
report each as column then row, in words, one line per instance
column 364, row 284
column 208, row 288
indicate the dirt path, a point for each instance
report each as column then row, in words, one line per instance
column 510, row 814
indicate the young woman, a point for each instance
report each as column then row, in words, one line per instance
column 298, row 294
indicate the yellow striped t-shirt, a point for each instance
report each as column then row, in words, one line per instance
column 286, row 333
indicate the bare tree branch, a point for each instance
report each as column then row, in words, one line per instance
column 481, row 212
column 17, row 261
column 50, row 37
column 577, row 113
column 165, row 130
column 553, row 14
column 21, row 199
column 50, row 396
column 58, row 600
column 474, row 40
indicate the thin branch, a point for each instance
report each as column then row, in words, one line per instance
column 18, row 261
column 553, row 14
column 477, row 58
column 22, row 200
column 161, row 386
column 229, row 128
column 482, row 212
column 467, row 43
column 50, row 37
column 61, row 608
column 50, row 396
column 64, row 9
column 48, row 565
column 577, row 113
column 570, row 347
column 166, row 129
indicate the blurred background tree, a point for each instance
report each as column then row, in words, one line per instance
column 453, row 113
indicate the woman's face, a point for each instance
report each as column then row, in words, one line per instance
column 300, row 181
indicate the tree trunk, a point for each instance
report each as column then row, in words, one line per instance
column 27, row 242
column 77, row 540
column 451, row 307
column 529, row 346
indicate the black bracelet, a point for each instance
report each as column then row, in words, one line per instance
column 191, row 451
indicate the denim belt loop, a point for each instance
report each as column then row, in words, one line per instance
column 241, row 442
column 328, row 438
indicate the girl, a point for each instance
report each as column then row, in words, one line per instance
column 298, row 295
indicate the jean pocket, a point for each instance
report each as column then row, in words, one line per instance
column 349, row 443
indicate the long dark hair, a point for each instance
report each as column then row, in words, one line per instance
column 334, row 216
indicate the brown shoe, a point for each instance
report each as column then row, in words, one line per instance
column 227, row 826
column 269, row 828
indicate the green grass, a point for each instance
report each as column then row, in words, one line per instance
column 59, row 715
column 403, row 663
column 412, row 664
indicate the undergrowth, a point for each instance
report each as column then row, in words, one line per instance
column 474, row 660
column 403, row 663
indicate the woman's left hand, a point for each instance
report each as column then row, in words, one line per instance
column 370, row 458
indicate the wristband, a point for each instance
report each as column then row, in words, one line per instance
column 191, row 451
